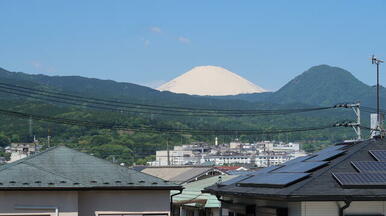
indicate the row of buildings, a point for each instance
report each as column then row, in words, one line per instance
column 259, row 154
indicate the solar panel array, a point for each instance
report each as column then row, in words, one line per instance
column 380, row 155
column 288, row 173
column 361, row 179
column 273, row 179
column 369, row 166
column 300, row 167
column 371, row 174
column 326, row 155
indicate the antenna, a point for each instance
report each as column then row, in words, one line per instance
column 376, row 61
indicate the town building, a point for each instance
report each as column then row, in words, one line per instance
column 344, row 179
column 21, row 150
column 64, row 182
column 260, row 154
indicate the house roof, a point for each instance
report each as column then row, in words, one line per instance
column 192, row 195
column 64, row 168
column 178, row 174
column 317, row 177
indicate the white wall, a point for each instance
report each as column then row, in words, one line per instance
column 123, row 201
column 85, row 203
column 332, row 208
column 67, row 201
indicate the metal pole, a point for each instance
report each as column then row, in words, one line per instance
column 379, row 126
column 378, row 113
column 167, row 149
column 359, row 121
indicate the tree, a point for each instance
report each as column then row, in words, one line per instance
column 4, row 141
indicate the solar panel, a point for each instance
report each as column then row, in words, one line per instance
column 298, row 159
column 274, row 179
column 369, row 166
column 266, row 170
column 331, row 148
column 380, row 155
column 300, row 167
column 361, row 179
column 326, row 155
column 240, row 172
column 235, row 180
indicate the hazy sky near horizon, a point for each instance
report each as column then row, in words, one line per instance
column 150, row 42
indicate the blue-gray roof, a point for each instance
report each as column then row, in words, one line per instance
column 64, row 168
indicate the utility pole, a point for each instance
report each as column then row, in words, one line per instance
column 355, row 125
column 168, row 152
column 377, row 62
column 30, row 126
column 49, row 138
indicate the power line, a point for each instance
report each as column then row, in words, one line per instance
column 148, row 109
column 151, row 129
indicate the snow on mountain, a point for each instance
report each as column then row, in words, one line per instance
column 210, row 81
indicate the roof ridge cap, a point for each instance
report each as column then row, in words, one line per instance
column 6, row 166
column 121, row 167
column 48, row 171
column 330, row 167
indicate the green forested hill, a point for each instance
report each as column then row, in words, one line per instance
column 127, row 146
column 325, row 85
column 321, row 85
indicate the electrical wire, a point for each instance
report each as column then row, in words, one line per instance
column 151, row 129
column 111, row 105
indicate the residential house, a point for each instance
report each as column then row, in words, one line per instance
column 192, row 202
column 64, row 182
column 344, row 179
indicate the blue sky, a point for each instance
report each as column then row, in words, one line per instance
column 147, row 42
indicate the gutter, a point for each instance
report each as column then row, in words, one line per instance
column 346, row 205
column 222, row 200
column 171, row 200
column 39, row 208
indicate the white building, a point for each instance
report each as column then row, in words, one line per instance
column 21, row 150
column 174, row 157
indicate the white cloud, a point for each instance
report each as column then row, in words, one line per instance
column 155, row 29
column 184, row 40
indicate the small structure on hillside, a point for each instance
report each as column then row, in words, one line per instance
column 21, row 150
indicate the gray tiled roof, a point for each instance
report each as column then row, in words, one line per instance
column 64, row 168
column 178, row 174
column 321, row 184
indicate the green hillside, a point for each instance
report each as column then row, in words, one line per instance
column 129, row 147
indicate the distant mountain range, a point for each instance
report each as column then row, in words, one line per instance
column 318, row 86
